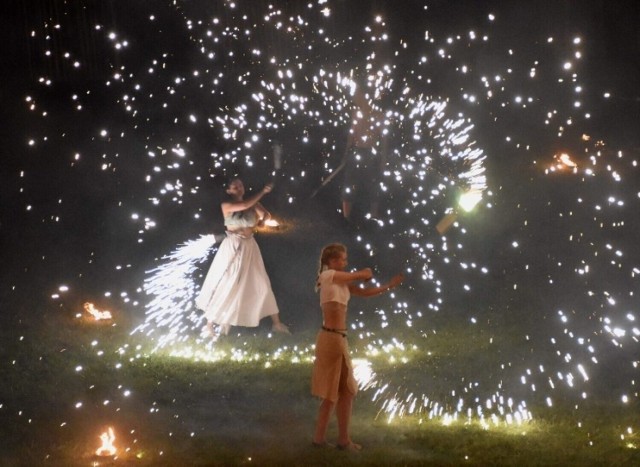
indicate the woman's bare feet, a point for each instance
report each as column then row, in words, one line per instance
column 208, row 331
column 322, row 444
column 280, row 327
column 214, row 331
column 355, row 447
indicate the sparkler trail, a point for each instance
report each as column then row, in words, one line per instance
column 171, row 313
column 251, row 73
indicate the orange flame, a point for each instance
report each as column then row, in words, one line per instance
column 562, row 161
column 272, row 226
column 97, row 314
column 566, row 160
column 107, row 448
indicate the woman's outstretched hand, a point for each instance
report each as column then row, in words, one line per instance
column 267, row 188
column 367, row 274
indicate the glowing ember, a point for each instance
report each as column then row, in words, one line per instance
column 561, row 162
column 273, row 226
column 566, row 160
column 107, row 448
column 97, row 314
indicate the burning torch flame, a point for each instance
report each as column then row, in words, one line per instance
column 269, row 226
column 566, row 160
column 107, row 448
column 561, row 162
column 97, row 314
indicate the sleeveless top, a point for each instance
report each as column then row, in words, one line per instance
column 331, row 292
column 242, row 219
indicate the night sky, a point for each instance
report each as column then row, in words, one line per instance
column 122, row 120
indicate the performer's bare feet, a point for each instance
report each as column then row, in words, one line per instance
column 280, row 327
column 214, row 331
column 208, row 330
column 322, row 444
column 355, row 447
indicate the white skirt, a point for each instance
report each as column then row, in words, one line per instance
column 237, row 290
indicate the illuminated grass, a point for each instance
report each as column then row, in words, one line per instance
column 181, row 412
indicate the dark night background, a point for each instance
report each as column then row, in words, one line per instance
column 93, row 223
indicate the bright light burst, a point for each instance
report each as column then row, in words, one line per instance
column 107, row 447
column 252, row 73
column 170, row 315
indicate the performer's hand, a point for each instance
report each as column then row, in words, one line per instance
column 367, row 273
column 267, row 188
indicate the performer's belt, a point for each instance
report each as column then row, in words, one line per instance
column 342, row 332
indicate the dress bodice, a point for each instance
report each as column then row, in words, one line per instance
column 241, row 219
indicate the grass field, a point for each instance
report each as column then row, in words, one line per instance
column 66, row 379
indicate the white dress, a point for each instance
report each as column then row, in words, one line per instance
column 237, row 290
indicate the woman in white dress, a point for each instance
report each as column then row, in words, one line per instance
column 237, row 290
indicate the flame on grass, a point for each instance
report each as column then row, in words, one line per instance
column 562, row 162
column 107, row 447
column 97, row 314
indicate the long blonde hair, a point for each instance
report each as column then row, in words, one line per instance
column 329, row 252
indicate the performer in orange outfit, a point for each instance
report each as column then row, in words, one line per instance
column 332, row 378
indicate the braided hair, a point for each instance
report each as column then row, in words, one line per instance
column 329, row 252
